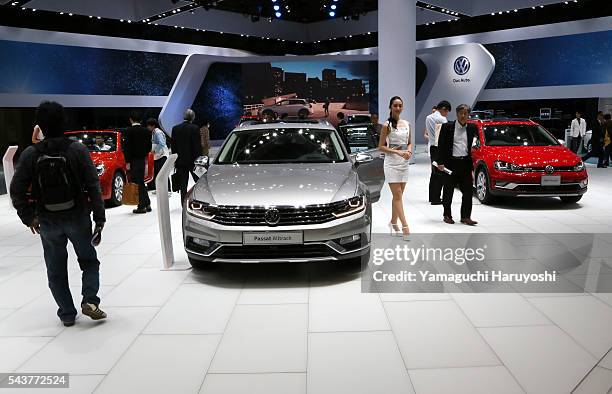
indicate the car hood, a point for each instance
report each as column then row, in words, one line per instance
column 276, row 184
column 535, row 155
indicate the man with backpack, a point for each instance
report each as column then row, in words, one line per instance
column 64, row 188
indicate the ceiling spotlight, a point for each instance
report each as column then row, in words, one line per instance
column 332, row 13
column 278, row 14
column 333, row 7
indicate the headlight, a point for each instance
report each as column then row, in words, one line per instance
column 508, row 167
column 201, row 210
column 351, row 206
column 100, row 169
column 579, row 166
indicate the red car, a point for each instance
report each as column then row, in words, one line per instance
column 520, row 158
column 106, row 147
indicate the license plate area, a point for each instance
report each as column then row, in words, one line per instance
column 273, row 238
column 550, row 180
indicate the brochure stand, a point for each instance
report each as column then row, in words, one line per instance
column 163, row 214
column 9, row 167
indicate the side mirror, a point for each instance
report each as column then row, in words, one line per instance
column 476, row 143
column 201, row 165
column 362, row 158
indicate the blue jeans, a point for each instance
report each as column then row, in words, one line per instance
column 55, row 233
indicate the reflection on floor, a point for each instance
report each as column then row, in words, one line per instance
column 306, row 328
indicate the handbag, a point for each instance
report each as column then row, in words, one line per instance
column 130, row 194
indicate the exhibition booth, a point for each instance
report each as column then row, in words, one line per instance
column 308, row 252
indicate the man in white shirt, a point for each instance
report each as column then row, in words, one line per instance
column 436, row 181
column 577, row 132
column 455, row 154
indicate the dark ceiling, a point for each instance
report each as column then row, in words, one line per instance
column 304, row 11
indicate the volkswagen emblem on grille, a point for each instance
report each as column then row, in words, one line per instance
column 272, row 216
column 462, row 65
column 549, row 169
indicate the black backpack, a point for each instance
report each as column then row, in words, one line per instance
column 54, row 180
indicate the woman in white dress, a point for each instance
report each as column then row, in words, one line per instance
column 395, row 142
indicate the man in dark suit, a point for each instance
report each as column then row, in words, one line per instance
column 137, row 148
column 597, row 138
column 186, row 144
column 455, row 154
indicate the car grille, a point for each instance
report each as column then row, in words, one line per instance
column 556, row 169
column 255, row 216
column 273, row 251
column 538, row 189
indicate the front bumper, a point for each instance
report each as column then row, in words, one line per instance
column 321, row 242
column 529, row 184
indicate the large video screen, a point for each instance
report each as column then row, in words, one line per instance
column 32, row 68
column 577, row 59
column 233, row 91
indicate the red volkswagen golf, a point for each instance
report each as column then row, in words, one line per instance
column 106, row 147
column 520, row 158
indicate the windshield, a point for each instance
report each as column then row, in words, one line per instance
column 518, row 135
column 266, row 146
column 97, row 142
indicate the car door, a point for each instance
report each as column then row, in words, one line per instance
column 362, row 143
column 294, row 107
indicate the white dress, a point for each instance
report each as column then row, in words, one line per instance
column 396, row 167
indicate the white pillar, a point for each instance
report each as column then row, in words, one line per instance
column 397, row 58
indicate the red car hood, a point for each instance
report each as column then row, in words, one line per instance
column 534, row 155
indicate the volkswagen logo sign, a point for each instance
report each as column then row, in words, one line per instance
column 272, row 216
column 462, row 65
column 549, row 169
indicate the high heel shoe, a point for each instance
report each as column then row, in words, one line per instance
column 405, row 237
column 393, row 230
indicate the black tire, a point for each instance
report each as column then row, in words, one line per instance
column 117, row 184
column 303, row 114
column 267, row 112
column 570, row 199
column 483, row 186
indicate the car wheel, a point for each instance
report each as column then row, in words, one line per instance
column 303, row 114
column 483, row 192
column 570, row 200
column 116, row 190
column 268, row 112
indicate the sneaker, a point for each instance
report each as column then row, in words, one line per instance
column 93, row 311
column 140, row 210
column 68, row 323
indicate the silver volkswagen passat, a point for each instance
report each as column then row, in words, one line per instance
column 283, row 192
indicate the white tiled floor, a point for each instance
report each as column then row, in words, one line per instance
column 308, row 328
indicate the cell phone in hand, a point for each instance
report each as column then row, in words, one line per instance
column 96, row 238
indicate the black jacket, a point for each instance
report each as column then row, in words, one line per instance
column 598, row 131
column 83, row 170
column 137, row 143
column 445, row 141
column 186, row 144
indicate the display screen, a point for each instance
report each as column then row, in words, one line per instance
column 31, row 68
column 313, row 90
column 578, row 59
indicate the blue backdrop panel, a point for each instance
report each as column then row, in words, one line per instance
column 30, row 68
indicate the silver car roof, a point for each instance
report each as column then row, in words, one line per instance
column 304, row 124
